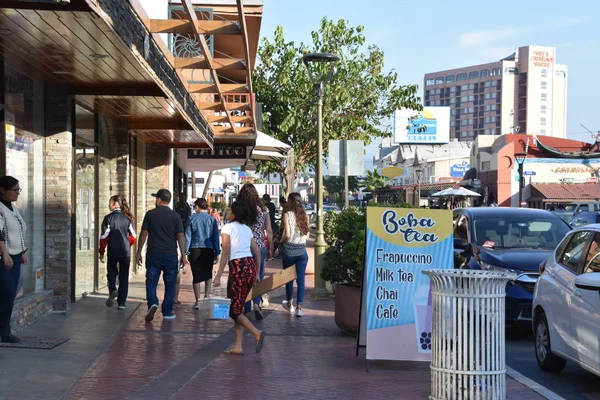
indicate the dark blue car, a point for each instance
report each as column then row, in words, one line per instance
column 508, row 239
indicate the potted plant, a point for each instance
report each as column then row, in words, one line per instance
column 343, row 263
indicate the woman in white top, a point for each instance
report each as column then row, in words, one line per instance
column 296, row 227
column 241, row 251
column 12, row 249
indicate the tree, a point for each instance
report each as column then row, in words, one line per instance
column 335, row 184
column 374, row 180
column 357, row 101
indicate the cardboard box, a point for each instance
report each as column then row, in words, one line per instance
column 272, row 282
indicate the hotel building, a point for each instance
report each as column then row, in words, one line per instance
column 524, row 92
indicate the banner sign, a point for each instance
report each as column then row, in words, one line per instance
column 431, row 125
column 459, row 169
column 220, row 151
column 400, row 243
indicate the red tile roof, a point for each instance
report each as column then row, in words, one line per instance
column 567, row 191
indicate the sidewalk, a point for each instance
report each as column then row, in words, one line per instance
column 116, row 355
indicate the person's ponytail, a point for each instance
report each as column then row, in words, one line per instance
column 126, row 210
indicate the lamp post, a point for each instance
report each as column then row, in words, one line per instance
column 419, row 172
column 520, row 159
column 319, row 77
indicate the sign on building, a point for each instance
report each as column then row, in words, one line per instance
column 220, row 151
column 432, row 125
column 401, row 242
column 459, row 169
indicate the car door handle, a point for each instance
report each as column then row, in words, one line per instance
column 551, row 273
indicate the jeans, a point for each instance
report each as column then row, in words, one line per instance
column 261, row 275
column 301, row 262
column 168, row 264
column 9, row 284
column 118, row 266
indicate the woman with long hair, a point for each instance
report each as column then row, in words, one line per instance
column 202, row 247
column 12, row 249
column 241, row 253
column 118, row 234
column 258, row 220
column 296, row 226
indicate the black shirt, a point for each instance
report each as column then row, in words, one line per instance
column 163, row 225
column 115, row 232
column 271, row 208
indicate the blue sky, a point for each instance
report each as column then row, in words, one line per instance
column 450, row 34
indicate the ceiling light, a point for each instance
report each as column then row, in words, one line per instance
column 98, row 56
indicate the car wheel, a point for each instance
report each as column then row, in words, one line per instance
column 546, row 359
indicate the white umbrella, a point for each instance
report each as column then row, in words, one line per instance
column 461, row 191
column 267, row 155
column 442, row 193
column 265, row 142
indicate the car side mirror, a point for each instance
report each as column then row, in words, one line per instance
column 589, row 281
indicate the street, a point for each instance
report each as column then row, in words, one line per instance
column 573, row 383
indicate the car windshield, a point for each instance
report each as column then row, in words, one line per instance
column 570, row 207
column 521, row 232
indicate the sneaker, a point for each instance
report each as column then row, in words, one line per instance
column 121, row 307
column 111, row 298
column 265, row 300
column 298, row 312
column 170, row 316
column 258, row 312
column 289, row 306
column 197, row 305
column 151, row 312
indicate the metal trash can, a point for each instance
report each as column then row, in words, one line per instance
column 468, row 341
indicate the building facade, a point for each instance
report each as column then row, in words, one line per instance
column 524, row 92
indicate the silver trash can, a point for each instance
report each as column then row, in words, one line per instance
column 468, row 340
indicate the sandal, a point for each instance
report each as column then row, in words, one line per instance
column 177, row 302
column 230, row 352
column 260, row 342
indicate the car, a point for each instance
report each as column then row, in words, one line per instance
column 575, row 208
column 326, row 208
column 566, row 303
column 585, row 218
column 505, row 239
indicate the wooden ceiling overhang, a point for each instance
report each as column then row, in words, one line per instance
column 109, row 55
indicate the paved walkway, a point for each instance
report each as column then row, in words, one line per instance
column 307, row 358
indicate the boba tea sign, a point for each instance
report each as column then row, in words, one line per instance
column 400, row 243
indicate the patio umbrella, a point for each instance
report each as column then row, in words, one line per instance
column 442, row 193
column 461, row 191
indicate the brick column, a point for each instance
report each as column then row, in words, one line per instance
column 157, row 171
column 58, row 157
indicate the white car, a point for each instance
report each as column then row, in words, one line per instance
column 566, row 303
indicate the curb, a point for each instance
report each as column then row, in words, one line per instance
column 531, row 384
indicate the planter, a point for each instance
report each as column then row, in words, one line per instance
column 347, row 308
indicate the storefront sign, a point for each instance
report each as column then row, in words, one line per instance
column 574, row 170
column 459, row 169
column 528, row 172
column 400, row 243
column 220, row 151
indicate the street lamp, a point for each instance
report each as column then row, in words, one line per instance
column 419, row 172
column 319, row 77
column 520, row 159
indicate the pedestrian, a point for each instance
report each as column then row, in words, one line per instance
column 215, row 214
column 202, row 247
column 13, row 251
column 183, row 209
column 164, row 230
column 118, row 234
column 271, row 207
column 258, row 220
column 241, row 252
column 296, row 226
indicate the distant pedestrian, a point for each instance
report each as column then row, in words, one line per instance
column 202, row 247
column 215, row 214
column 164, row 230
column 241, row 252
column 12, row 249
column 296, row 226
column 118, row 234
column 271, row 207
column 258, row 220
column 182, row 208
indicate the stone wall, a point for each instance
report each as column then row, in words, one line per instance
column 31, row 308
column 157, row 171
column 59, row 184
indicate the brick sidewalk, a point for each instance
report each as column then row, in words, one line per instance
column 307, row 358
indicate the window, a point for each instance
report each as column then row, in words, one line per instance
column 511, row 71
column 494, row 107
column 487, row 120
column 560, row 74
column 471, row 110
column 487, row 84
column 452, row 100
column 496, row 83
column 493, row 131
column 544, row 95
column 470, row 122
column 543, row 121
column 572, row 254
column 464, row 98
column 464, row 134
column 471, row 86
column 471, row 98
column 439, row 80
column 543, row 131
column 438, row 91
column 464, row 122
column 544, row 85
column 437, row 103
column 493, row 119
column 461, row 77
column 464, row 87
column 485, row 166
column 487, row 96
column 496, row 71
column 450, row 78
column 544, row 73
column 592, row 260
column 484, row 73
column 427, row 104
column 485, row 132
column 429, row 82
column 473, row 75
column 543, row 109
column 453, row 89
column 494, row 95
column 452, row 111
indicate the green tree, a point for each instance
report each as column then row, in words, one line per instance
column 335, row 184
column 374, row 180
column 358, row 99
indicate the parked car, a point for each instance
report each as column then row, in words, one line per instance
column 326, row 208
column 566, row 303
column 576, row 207
column 505, row 239
column 585, row 218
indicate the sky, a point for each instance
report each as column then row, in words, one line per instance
column 451, row 34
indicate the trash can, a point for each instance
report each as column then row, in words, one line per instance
column 467, row 338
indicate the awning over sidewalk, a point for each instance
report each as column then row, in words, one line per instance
column 564, row 192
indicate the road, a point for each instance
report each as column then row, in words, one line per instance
column 573, row 383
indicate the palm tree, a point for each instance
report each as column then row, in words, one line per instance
column 373, row 181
